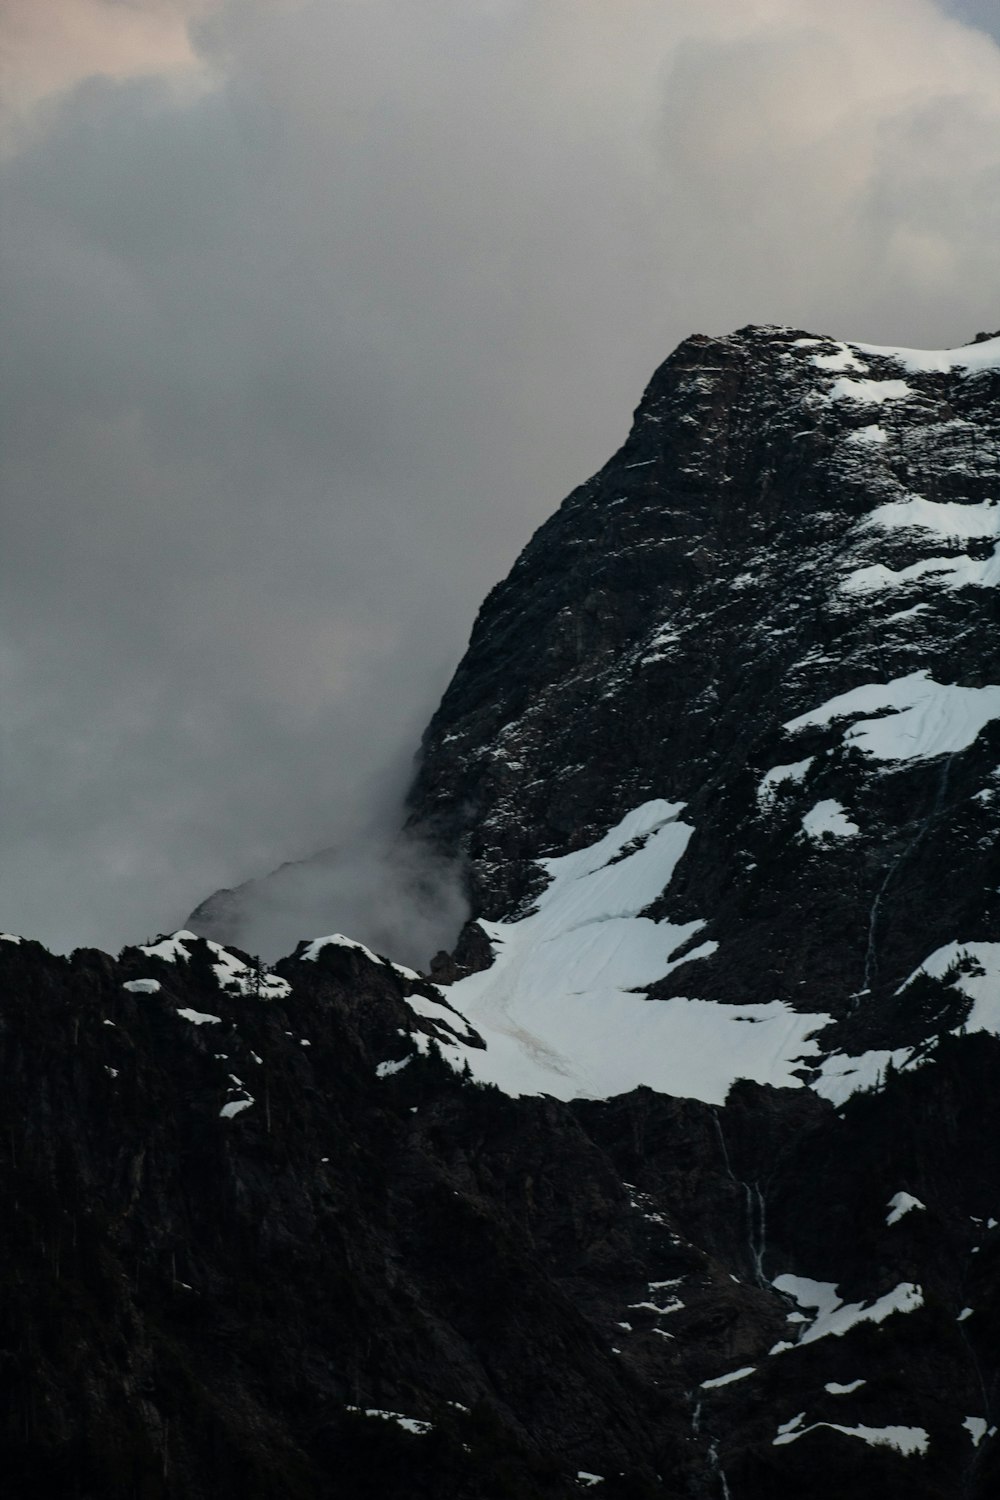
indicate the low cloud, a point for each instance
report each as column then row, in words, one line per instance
column 394, row 892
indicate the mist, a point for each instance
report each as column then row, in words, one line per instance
column 395, row 893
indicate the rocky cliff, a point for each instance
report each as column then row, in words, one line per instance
column 682, row 1177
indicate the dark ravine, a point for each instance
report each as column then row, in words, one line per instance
column 262, row 1238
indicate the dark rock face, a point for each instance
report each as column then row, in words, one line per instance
column 198, row 1304
column 265, row 1235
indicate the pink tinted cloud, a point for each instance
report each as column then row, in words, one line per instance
column 47, row 47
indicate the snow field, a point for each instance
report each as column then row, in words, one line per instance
column 562, row 1008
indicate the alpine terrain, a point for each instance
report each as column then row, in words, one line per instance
column 680, row 1176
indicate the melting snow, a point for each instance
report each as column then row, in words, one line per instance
column 981, row 983
column 777, row 775
column 741, row 1374
column 844, row 359
column 142, row 986
column 900, row 1204
column 967, row 359
column 871, row 434
column 871, row 392
column 234, row 1107
column 952, row 573
column 172, row 948
column 906, row 614
column 231, row 972
column 338, row 940
column 829, row 820
column 842, row 1075
column 833, row 1317
column 386, row 1069
column 822, row 1295
column 977, row 1428
column 408, row 1424
column 946, row 518
column 905, row 1440
column 925, row 718
column 674, row 1305
column 234, row 975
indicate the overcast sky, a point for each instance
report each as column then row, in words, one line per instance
column 314, row 309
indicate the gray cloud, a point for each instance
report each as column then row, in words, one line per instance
column 395, row 892
column 295, row 362
column 982, row 13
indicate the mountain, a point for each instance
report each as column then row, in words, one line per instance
column 680, row 1175
column 771, row 618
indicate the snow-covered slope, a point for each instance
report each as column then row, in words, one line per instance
column 562, row 1008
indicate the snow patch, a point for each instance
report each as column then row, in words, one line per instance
column 843, row 359
column 142, row 986
column 231, row 973
column 978, row 978
column 239, row 978
column 234, row 1107
column 833, row 1317
column 977, row 1428
column 841, row 1075
column 900, row 1204
column 828, row 820
column 870, row 434
column 869, row 392
column 906, row 614
column 171, row 949
column 945, row 518
column 908, row 1441
column 386, row 1069
column 969, row 359
column 408, row 1424
column 919, row 718
column 836, row 1389
column 199, row 1017
column 951, row 573
column 338, row 940
column 777, row 776
column 741, row 1374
